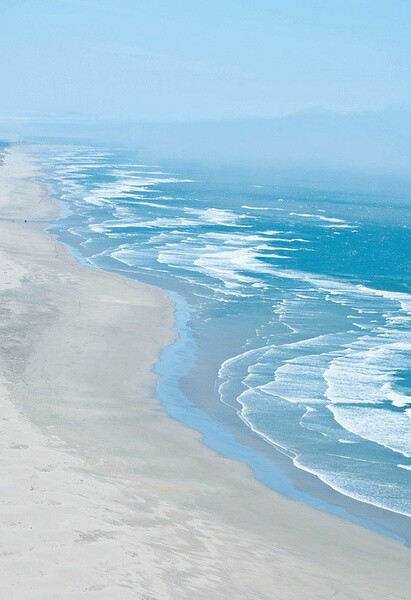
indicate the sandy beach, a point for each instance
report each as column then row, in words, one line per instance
column 102, row 495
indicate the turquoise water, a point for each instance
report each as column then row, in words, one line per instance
column 293, row 308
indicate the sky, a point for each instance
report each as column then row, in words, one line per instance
column 108, row 62
column 184, row 60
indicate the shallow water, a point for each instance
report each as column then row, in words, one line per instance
column 295, row 302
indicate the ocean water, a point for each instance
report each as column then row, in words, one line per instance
column 293, row 312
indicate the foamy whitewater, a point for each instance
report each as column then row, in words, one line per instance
column 296, row 305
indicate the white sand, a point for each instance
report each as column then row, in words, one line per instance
column 101, row 494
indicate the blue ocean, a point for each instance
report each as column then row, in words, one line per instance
column 292, row 310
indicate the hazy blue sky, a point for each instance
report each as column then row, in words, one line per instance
column 122, row 60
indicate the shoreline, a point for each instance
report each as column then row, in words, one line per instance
column 231, row 438
column 147, row 509
column 201, row 409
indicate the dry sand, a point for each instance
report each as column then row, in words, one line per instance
column 102, row 495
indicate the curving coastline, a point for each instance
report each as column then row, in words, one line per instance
column 102, row 491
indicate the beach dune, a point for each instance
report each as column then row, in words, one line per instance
column 102, row 495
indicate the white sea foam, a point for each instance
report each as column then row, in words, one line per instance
column 152, row 204
column 384, row 427
column 216, row 216
column 233, row 239
column 285, row 249
column 347, row 483
column 320, row 217
column 125, row 255
column 345, row 289
column 292, row 240
column 247, row 207
column 161, row 223
column 339, row 226
column 299, row 380
column 397, row 399
column 228, row 265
